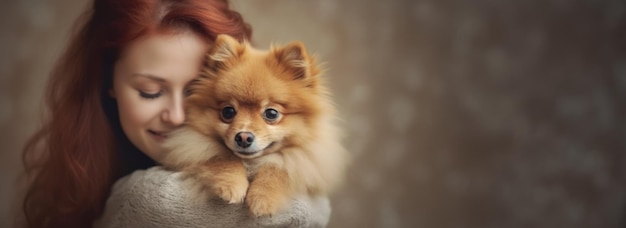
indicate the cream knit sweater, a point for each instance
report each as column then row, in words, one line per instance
column 156, row 198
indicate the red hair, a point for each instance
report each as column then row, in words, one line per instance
column 74, row 159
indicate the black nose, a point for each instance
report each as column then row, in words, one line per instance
column 244, row 139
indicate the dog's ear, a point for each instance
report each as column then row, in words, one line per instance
column 225, row 50
column 295, row 58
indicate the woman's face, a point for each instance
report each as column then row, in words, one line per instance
column 149, row 83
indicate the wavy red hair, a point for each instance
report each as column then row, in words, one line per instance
column 74, row 159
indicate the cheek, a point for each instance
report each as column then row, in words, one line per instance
column 134, row 112
column 205, row 121
column 291, row 128
column 276, row 132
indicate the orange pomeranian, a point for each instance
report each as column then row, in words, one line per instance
column 260, row 128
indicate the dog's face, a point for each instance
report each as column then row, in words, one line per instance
column 256, row 102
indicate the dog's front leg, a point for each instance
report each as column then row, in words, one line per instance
column 225, row 176
column 269, row 191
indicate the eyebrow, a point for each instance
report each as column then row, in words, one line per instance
column 151, row 77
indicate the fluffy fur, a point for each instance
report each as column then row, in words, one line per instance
column 298, row 152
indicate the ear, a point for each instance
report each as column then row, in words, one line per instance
column 295, row 58
column 225, row 50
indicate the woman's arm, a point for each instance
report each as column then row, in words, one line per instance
column 157, row 198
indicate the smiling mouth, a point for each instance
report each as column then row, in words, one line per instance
column 158, row 134
column 249, row 153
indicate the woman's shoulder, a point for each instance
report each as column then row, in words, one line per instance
column 149, row 182
column 135, row 199
column 157, row 197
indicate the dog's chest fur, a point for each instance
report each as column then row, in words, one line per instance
column 253, row 165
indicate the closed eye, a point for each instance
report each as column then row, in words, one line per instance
column 150, row 95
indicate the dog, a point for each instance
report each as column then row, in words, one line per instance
column 260, row 127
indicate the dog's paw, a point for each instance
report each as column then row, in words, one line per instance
column 261, row 205
column 233, row 191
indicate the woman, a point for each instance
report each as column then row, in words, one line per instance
column 112, row 98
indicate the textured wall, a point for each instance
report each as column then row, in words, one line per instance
column 32, row 35
column 459, row 113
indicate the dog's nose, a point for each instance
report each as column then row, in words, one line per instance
column 244, row 139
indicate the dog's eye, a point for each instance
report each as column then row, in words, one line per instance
column 271, row 114
column 228, row 113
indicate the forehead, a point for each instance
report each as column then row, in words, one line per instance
column 165, row 55
column 253, row 81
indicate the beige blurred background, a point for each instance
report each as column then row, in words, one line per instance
column 459, row 113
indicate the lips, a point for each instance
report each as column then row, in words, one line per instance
column 250, row 153
column 159, row 136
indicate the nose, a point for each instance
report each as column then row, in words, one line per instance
column 244, row 139
column 175, row 113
